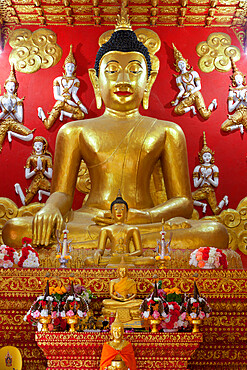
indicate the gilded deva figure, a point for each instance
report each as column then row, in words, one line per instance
column 11, row 115
column 206, row 178
column 65, row 93
column 38, row 167
column 121, row 149
column 237, row 100
column 189, row 85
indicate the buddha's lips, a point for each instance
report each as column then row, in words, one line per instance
column 123, row 93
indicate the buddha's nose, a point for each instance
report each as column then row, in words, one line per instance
column 123, row 77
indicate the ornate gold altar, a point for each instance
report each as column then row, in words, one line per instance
column 83, row 350
column 224, row 333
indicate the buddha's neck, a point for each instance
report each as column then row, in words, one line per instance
column 117, row 114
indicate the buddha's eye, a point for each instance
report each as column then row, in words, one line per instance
column 112, row 68
column 135, row 68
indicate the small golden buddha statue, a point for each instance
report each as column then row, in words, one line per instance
column 125, row 240
column 118, row 353
column 123, row 299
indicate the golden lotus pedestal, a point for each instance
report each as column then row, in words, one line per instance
column 82, row 351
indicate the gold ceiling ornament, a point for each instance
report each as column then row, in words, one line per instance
column 34, row 50
column 215, row 53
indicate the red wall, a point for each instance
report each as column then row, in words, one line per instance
column 230, row 149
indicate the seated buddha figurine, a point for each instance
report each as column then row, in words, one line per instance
column 118, row 353
column 123, row 299
column 125, row 240
column 121, row 149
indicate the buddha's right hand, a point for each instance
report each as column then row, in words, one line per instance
column 47, row 220
column 97, row 257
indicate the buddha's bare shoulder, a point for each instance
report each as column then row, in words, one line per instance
column 79, row 125
column 166, row 127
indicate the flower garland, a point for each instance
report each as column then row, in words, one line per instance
column 208, row 257
column 57, row 304
column 28, row 255
column 8, row 256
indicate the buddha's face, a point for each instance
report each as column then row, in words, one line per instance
column 117, row 332
column 119, row 212
column 122, row 272
column 122, row 80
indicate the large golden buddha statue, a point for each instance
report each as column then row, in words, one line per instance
column 121, row 149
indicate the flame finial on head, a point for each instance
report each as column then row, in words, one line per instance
column 123, row 22
column 178, row 56
column 70, row 58
column 205, row 149
column 12, row 77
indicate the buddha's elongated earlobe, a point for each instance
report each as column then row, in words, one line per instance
column 146, row 94
column 95, row 82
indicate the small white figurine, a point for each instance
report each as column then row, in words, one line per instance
column 38, row 166
column 206, row 178
column 189, row 85
column 11, row 115
column 65, row 90
column 63, row 248
column 237, row 100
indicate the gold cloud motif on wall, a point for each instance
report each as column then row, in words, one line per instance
column 215, row 53
column 34, row 50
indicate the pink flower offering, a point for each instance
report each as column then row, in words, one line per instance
column 36, row 314
column 201, row 315
column 156, row 315
column 70, row 313
column 53, row 314
column 183, row 315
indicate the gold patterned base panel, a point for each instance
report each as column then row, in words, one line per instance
column 224, row 344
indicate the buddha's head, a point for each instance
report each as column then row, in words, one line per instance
column 11, row 85
column 122, row 75
column 119, row 209
column 117, row 329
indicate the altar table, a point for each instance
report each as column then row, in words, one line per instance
column 82, row 351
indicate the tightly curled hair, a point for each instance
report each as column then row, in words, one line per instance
column 119, row 200
column 125, row 41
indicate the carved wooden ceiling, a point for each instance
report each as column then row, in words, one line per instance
column 214, row 13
